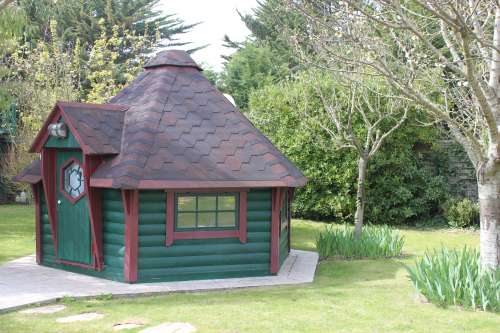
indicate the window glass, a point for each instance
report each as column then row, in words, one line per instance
column 207, row 203
column 206, row 220
column 186, row 220
column 226, row 219
column 227, row 202
column 206, row 211
column 186, row 203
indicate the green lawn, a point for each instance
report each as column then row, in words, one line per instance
column 17, row 231
column 347, row 296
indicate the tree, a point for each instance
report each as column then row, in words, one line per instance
column 104, row 72
column 265, row 57
column 250, row 68
column 402, row 187
column 82, row 20
column 444, row 56
column 376, row 117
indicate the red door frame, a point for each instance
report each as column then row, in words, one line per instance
column 90, row 164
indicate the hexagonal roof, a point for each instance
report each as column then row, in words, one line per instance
column 179, row 131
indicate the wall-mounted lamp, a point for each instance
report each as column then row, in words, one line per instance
column 58, row 130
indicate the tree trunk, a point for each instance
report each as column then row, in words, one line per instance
column 489, row 202
column 360, row 197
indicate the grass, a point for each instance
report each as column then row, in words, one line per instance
column 17, row 231
column 346, row 296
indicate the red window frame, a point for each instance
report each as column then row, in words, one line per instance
column 61, row 180
column 240, row 232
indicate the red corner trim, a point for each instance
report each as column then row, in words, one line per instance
column 170, row 216
column 240, row 233
column 131, row 209
column 43, row 134
column 291, row 193
column 61, row 180
column 49, row 188
column 38, row 225
column 243, row 217
column 275, row 230
column 94, row 201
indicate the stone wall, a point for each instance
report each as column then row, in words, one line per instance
column 459, row 171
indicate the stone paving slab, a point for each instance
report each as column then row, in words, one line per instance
column 23, row 282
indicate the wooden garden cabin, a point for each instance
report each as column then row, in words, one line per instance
column 168, row 181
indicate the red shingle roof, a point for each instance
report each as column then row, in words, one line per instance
column 178, row 131
column 99, row 127
column 31, row 174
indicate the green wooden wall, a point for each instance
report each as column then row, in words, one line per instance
column 113, row 237
column 185, row 259
column 202, row 259
column 283, row 245
column 113, row 220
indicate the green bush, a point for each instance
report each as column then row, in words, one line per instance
column 461, row 213
column 403, row 186
column 375, row 242
column 452, row 277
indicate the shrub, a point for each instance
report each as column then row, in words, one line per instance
column 452, row 277
column 375, row 242
column 403, row 186
column 461, row 213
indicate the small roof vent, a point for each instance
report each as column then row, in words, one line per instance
column 177, row 58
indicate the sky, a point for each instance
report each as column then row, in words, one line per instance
column 217, row 17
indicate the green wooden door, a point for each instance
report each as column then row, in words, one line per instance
column 73, row 222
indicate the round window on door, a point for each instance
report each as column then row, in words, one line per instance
column 73, row 183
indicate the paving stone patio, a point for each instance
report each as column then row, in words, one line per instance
column 23, row 282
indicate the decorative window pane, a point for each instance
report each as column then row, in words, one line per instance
column 206, row 211
column 186, row 220
column 74, row 184
column 207, row 203
column 187, row 203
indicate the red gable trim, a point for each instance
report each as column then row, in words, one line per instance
column 43, row 134
column 57, row 112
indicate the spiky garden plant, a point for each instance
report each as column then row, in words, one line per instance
column 375, row 242
column 454, row 277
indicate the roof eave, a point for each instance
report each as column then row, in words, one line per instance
column 195, row 184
